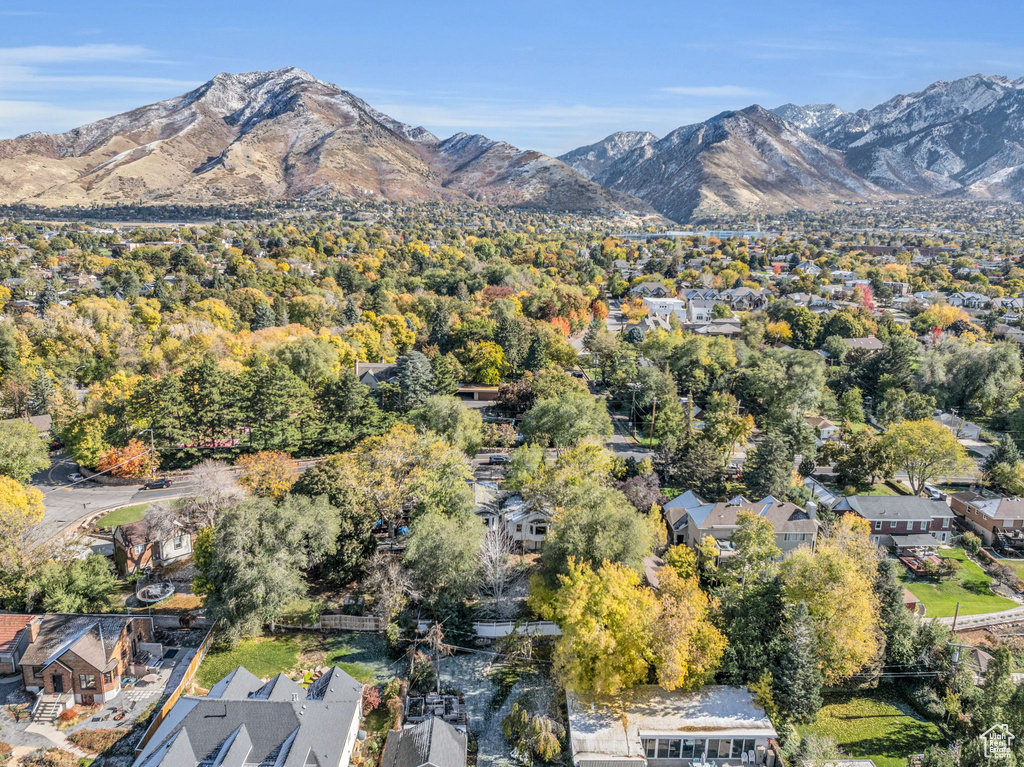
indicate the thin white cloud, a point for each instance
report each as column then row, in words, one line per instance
column 19, row 117
column 20, row 78
column 63, row 54
column 715, row 91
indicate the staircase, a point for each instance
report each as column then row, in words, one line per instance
column 49, row 708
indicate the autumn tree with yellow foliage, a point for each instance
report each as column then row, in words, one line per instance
column 836, row 582
column 608, row 613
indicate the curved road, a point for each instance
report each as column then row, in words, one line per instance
column 67, row 502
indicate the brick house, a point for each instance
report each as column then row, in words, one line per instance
column 83, row 657
column 986, row 516
column 14, row 638
column 902, row 521
column 138, row 545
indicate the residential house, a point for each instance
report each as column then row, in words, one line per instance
column 141, row 544
column 969, row 300
column 41, row 422
column 824, row 428
column 902, row 521
column 690, row 518
column 82, row 658
column 430, row 743
column 989, row 517
column 700, row 310
column 808, row 267
column 700, row 294
column 653, row 289
column 373, row 374
column 525, row 523
column 245, row 721
column 648, row 725
column 727, row 326
column 869, row 343
column 663, row 307
column 14, row 638
column 743, row 299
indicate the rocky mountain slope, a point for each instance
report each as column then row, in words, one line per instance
column 750, row 160
column 280, row 135
column 961, row 138
column 592, row 160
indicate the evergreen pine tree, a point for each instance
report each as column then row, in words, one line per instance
column 42, row 391
column 536, row 356
column 352, row 313
column 415, row 378
column 797, row 678
column 263, row 316
column 1006, row 451
column 440, row 329
column 769, row 467
column 281, row 310
column 47, row 297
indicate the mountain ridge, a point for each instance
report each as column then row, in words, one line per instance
column 281, row 134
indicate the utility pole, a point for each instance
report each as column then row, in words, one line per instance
column 654, row 415
column 152, row 451
column 956, row 614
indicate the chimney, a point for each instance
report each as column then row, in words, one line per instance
column 812, row 510
column 33, row 629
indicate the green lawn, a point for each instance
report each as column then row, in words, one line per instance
column 875, row 725
column 881, row 489
column 970, row 588
column 360, row 655
column 122, row 516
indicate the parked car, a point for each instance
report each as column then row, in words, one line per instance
column 157, row 484
column 498, row 458
column 76, row 477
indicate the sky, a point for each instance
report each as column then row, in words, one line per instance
column 548, row 75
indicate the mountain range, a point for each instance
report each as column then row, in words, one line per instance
column 284, row 134
column 963, row 138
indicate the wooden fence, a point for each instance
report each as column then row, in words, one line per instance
column 190, row 672
column 497, row 629
column 350, row 623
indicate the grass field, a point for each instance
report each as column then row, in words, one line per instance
column 970, row 587
column 123, row 516
column 361, row 655
column 873, row 725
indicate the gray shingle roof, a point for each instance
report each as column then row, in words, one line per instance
column 431, row 742
column 894, row 507
column 252, row 723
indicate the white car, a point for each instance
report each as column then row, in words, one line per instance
column 76, row 477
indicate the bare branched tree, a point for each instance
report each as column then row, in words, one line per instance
column 496, row 565
column 215, row 487
column 389, row 584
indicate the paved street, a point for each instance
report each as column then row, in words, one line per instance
column 67, row 503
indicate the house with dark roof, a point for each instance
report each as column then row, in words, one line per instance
column 690, row 518
column 373, row 374
column 82, row 658
column 246, row 721
column 15, row 634
column 430, row 743
column 141, row 544
column 902, row 521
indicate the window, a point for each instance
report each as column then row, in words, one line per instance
column 737, row 749
column 650, row 747
column 108, row 677
column 892, row 524
column 945, row 523
column 37, row 672
column 687, row 748
column 542, row 530
column 712, row 749
column 878, row 525
column 139, row 549
column 519, row 528
column 663, row 749
column 87, row 681
column 179, row 542
column 698, row 747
